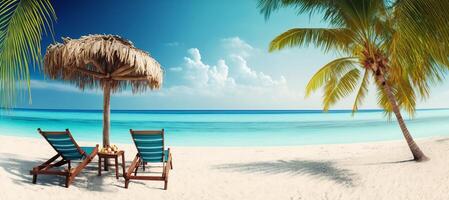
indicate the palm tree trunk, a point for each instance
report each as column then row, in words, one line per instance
column 418, row 155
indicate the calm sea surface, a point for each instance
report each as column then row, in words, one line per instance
column 229, row 128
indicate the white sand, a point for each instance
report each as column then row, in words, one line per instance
column 350, row 171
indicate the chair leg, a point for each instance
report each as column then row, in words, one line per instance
column 143, row 163
column 171, row 164
column 126, row 183
column 99, row 166
column 116, row 167
column 165, row 184
column 135, row 172
column 34, row 179
column 67, row 181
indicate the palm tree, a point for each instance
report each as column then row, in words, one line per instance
column 22, row 23
column 380, row 40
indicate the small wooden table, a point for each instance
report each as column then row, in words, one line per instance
column 115, row 156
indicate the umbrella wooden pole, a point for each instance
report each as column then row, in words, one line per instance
column 106, row 117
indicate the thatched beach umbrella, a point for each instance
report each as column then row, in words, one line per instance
column 103, row 61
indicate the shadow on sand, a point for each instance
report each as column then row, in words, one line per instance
column 392, row 162
column 20, row 171
column 442, row 140
column 88, row 179
column 321, row 169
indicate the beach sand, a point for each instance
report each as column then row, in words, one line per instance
column 378, row 170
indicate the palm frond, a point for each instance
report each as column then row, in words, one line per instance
column 405, row 96
column 422, row 19
column 326, row 38
column 425, row 74
column 22, row 23
column 337, row 89
column 333, row 69
column 421, row 46
column 383, row 101
column 267, row 7
column 339, row 13
column 361, row 94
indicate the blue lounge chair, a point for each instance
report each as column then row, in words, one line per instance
column 151, row 149
column 66, row 148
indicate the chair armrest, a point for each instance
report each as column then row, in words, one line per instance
column 168, row 161
column 133, row 165
column 94, row 152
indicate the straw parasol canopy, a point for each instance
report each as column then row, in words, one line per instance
column 108, row 62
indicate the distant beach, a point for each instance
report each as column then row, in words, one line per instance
column 229, row 127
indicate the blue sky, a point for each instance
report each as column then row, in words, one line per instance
column 214, row 54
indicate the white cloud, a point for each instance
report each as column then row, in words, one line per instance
column 231, row 77
column 249, row 76
column 201, row 75
column 237, row 46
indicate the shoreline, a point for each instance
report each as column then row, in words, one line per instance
column 379, row 170
column 417, row 139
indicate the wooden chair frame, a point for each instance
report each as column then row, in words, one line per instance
column 167, row 165
column 70, row 173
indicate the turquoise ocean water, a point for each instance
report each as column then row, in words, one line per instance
column 229, row 128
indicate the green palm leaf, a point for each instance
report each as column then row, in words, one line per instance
column 268, row 6
column 383, row 102
column 361, row 94
column 406, row 96
column 22, row 23
column 422, row 47
column 335, row 68
column 338, row 88
column 326, row 38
